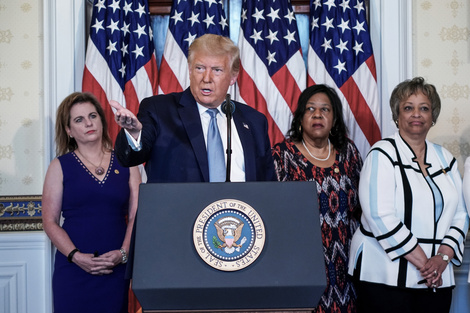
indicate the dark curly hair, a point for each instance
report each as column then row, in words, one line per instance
column 339, row 131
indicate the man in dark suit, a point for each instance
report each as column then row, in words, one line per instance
column 170, row 131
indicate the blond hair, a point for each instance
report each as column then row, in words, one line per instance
column 216, row 45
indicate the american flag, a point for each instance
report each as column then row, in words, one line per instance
column 120, row 60
column 188, row 20
column 273, row 71
column 340, row 55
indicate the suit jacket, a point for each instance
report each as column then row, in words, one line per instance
column 173, row 145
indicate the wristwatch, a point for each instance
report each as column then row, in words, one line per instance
column 445, row 257
column 124, row 256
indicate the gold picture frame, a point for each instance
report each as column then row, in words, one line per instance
column 21, row 213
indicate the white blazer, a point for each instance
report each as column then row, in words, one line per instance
column 466, row 189
column 399, row 213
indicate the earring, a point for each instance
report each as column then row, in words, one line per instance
column 71, row 137
column 433, row 123
column 300, row 128
column 396, row 123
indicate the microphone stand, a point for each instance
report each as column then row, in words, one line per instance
column 228, row 109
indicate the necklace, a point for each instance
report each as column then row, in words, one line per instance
column 99, row 170
column 318, row 159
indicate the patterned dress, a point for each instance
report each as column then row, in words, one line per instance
column 338, row 198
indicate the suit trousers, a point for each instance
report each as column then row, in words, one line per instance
column 375, row 298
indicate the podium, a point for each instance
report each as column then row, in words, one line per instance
column 274, row 225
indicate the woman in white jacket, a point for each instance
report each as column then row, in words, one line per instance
column 466, row 189
column 414, row 219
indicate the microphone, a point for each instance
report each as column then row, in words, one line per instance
column 228, row 107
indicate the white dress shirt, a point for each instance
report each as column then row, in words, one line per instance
column 237, row 169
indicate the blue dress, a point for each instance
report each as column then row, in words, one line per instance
column 94, row 214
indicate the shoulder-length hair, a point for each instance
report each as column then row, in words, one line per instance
column 339, row 131
column 64, row 143
column 411, row 87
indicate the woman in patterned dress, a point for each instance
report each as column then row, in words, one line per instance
column 97, row 199
column 318, row 149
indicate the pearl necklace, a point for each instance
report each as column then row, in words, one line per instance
column 99, row 170
column 318, row 159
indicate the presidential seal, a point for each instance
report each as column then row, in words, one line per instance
column 229, row 235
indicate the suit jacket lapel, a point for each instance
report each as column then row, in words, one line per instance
column 191, row 120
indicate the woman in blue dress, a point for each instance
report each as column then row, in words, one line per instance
column 97, row 200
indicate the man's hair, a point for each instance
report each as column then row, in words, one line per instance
column 216, row 45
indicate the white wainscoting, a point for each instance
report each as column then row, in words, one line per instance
column 25, row 272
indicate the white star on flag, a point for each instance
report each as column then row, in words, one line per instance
column 110, row 72
column 350, row 68
column 189, row 19
column 272, row 73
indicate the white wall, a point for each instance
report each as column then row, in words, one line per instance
column 25, row 272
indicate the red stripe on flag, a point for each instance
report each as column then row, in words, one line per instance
column 107, row 71
column 251, row 94
column 168, row 80
column 351, row 68
column 132, row 101
column 371, row 65
column 289, row 91
column 361, row 111
column 310, row 81
column 90, row 84
column 152, row 72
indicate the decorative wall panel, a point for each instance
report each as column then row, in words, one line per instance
column 20, row 213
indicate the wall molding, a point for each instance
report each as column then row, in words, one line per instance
column 391, row 35
column 12, row 285
column 25, row 272
column 64, row 59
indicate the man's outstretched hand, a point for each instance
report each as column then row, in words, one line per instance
column 126, row 119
